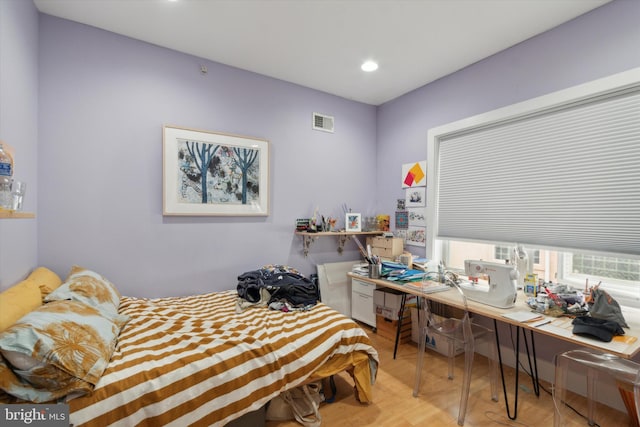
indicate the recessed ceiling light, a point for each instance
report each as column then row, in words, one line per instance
column 369, row 66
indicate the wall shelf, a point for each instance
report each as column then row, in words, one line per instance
column 8, row 214
column 342, row 236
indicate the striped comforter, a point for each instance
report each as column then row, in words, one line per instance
column 195, row 361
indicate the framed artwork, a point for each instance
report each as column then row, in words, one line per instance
column 416, row 236
column 417, row 217
column 414, row 174
column 415, row 197
column 353, row 222
column 402, row 220
column 210, row 173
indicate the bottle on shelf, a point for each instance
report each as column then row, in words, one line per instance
column 6, row 175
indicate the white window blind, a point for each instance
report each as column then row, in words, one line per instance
column 564, row 176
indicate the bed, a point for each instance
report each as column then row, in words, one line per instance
column 192, row 360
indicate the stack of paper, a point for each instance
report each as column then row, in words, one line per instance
column 420, row 263
column 428, row 287
column 524, row 316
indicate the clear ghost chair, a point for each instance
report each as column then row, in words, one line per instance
column 457, row 333
column 596, row 367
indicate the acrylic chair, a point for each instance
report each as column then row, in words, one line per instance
column 597, row 367
column 457, row 333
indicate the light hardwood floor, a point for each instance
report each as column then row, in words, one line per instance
column 437, row 404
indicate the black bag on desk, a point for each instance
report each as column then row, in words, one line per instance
column 603, row 306
column 600, row 329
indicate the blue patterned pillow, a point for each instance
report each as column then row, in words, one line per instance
column 62, row 347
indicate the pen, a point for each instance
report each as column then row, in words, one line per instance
column 543, row 323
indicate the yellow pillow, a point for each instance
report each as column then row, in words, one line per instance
column 47, row 280
column 17, row 301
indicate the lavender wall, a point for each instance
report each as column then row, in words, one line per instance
column 595, row 45
column 104, row 99
column 18, row 127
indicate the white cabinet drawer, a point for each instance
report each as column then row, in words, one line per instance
column 362, row 287
column 362, row 308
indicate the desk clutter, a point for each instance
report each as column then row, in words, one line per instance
column 390, row 248
column 597, row 314
column 353, row 222
column 388, row 270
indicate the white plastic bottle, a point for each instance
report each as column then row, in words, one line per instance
column 6, row 174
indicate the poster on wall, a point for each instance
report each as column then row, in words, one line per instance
column 417, row 217
column 402, row 220
column 416, row 236
column 415, row 197
column 209, row 173
column 414, row 174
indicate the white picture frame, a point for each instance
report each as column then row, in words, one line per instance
column 210, row 173
column 416, row 236
column 414, row 174
column 415, row 197
column 417, row 217
column 353, row 222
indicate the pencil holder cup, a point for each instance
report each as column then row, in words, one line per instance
column 374, row 271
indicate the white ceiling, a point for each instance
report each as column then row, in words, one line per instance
column 321, row 43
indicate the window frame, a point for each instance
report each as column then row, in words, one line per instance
column 626, row 291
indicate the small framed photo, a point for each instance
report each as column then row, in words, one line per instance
column 353, row 222
column 415, row 197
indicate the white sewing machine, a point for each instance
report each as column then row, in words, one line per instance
column 501, row 290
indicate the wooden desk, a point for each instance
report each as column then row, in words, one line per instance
column 560, row 328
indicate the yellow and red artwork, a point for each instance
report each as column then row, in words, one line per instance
column 414, row 174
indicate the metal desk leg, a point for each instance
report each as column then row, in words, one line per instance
column 534, row 372
column 403, row 299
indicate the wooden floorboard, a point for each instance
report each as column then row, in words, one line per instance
column 438, row 402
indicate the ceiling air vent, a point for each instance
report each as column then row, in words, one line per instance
column 322, row 122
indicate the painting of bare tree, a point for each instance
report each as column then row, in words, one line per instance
column 207, row 173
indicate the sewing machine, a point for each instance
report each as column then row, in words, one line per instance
column 501, row 290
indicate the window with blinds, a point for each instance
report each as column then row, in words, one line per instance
column 561, row 171
column 558, row 174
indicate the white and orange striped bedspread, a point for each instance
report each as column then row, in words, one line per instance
column 195, row 361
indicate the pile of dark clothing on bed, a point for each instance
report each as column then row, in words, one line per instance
column 280, row 287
